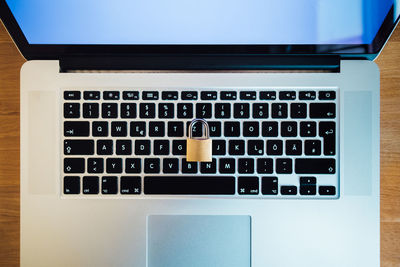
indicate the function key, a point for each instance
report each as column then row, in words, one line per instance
column 307, row 95
column 72, row 95
column 150, row 95
column 248, row 95
column 209, row 95
column 189, row 95
column 130, row 95
column 327, row 95
column 327, row 190
column 228, row 95
column 171, row 95
column 91, row 95
column 111, row 95
column 287, row 95
column 72, row 185
column 248, row 186
column 267, row 95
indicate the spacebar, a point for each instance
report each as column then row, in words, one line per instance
column 189, row 185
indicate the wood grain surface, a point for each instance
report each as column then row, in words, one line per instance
column 11, row 61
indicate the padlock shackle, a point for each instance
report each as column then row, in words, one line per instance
column 204, row 124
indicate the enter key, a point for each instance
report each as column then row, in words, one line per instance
column 327, row 130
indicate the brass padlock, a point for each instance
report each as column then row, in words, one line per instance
column 199, row 149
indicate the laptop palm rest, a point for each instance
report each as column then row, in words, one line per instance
column 198, row 240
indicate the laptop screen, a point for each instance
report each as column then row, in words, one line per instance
column 203, row 22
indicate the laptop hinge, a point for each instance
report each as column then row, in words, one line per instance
column 180, row 62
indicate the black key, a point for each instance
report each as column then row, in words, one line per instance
column 255, row 147
column 179, row 147
column 185, row 111
column 142, row 147
column 298, row 110
column 119, row 128
column 133, row 165
column 222, row 110
column 100, row 128
column 71, row 110
column 189, row 167
column 76, row 128
column 288, row 129
column 152, row 165
column 130, row 95
column 78, row 147
column 109, row 110
column 246, row 165
column 279, row 110
column 161, row 147
column 190, row 185
column 166, row 110
column 307, row 95
column 104, row 147
column 232, row 129
column 95, row 165
column 265, row 165
column 274, row 147
column 123, row 147
column 74, row 165
column 284, row 165
column 327, row 190
column 72, row 95
column 260, row 110
column 315, row 166
column 287, row 95
column 128, row 110
column 326, row 95
column 293, row 147
column 218, row 147
column 236, row 147
column 269, row 129
column 248, row 185
column 147, row 110
column 308, row 129
column 288, row 190
column 251, row 129
column 170, row 165
column 308, row 186
column 90, row 110
column 111, row 95
column 138, row 128
column 312, row 147
column 156, row 128
column 267, row 95
column 308, row 181
column 114, row 165
column 208, row 95
column 241, row 110
column 72, row 185
column 322, row 110
column 203, row 110
column 215, row 128
column 109, row 185
column 175, row 129
column 90, row 185
column 269, row 185
column 227, row 165
column 327, row 130
column 197, row 130
column 248, row 95
column 208, row 167
column 130, row 185
column 91, row 95
column 228, row 95
column 169, row 95
column 150, row 95
column 189, row 95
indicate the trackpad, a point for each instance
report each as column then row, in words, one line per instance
column 198, row 240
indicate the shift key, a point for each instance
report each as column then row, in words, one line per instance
column 78, row 147
column 315, row 166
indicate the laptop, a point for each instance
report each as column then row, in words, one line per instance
column 287, row 94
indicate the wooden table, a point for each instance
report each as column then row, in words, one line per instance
column 11, row 61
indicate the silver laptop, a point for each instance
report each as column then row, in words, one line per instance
column 290, row 96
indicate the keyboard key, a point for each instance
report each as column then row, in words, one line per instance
column 185, row 111
column 236, row 147
column 189, row 95
column 215, row 128
column 248, row 95
column 274, row 147
column 130, row 185
column 119, row 128
column 287, row 95
column 203, row 110
column 250, row 129
column 72, row 185
column 308, row 129
column 265, row 165
column 267, row 95
column 71, row 110
column 222, row 110
column 95, row 165
column 308, row 186
column 189, row 167
column 109, row 185
column 74, row 165
column 100, row 128
column 114, row 165
column 147, row 110
column 322, row 110
column 246, row 165
column 248, row 185
column 150, row 95
column 312, row 147
column 175, row 129
column 326, row 95
column 179, row 147
column 72, row 95
column 161, row 147
column 227, row 165
column 327, row 130
column 315, row 166
column 169, row 95
column 91, row 95
column 90, row 185
column 241, row 110
column 109, row 110
column 78, row 147
column 228, row 95
column 288, row 129
column 111, row 95
column 255, row 147
column 130, row 95
column 279, row 110
column 76, row 128
column 170, row 165
column 269, row 185
column 293, row 147
column 327, row 190
column 128, row 110
column 284, row 166
column 307, row 95
column 232, row 129
column 166, row 110
column 298, row 110
column 218, row 147
column 156, row 128
column 260, row 111
column 104, row 147
column 208, row 95
column 308, row 180
column 190, row 185
column 152, row 165
column 138, row 128
column 269, row 129
column 133, row 165
column 208, row 167
column 142, row 147
column 288, row 190
column 90, row 110
column 123, row 147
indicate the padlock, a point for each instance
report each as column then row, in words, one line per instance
column 199, row 149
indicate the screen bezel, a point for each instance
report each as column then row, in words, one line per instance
column 49, row 51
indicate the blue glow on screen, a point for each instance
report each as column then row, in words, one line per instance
column 200, row 21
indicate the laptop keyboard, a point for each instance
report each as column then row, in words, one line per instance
column 266, row 143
